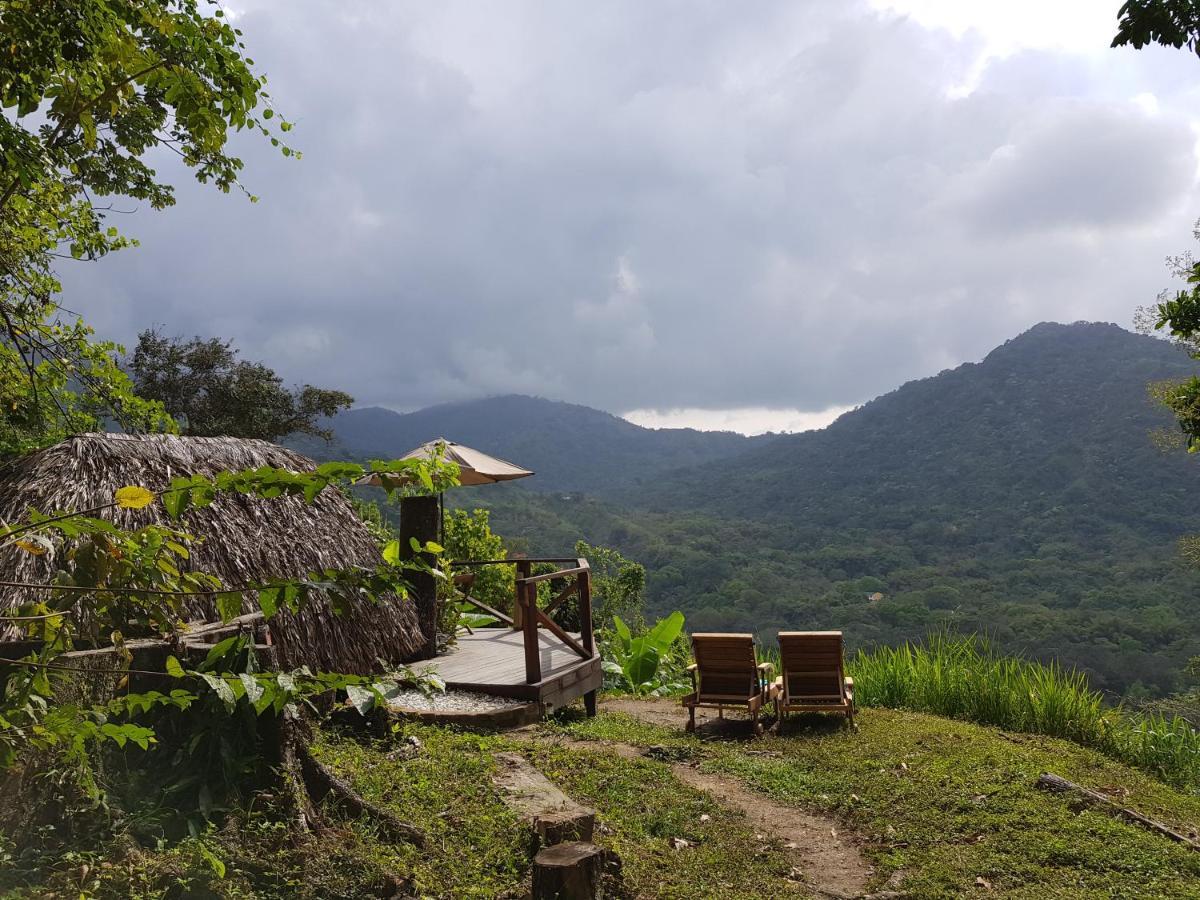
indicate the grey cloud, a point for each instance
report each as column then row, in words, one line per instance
column 1082, row 166
column 655, row 205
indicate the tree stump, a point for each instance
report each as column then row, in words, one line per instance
column 571, row 871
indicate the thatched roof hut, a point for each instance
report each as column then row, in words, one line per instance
column 244, row 539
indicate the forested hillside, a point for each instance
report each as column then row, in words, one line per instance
column 570, row 447
column 1021, row 496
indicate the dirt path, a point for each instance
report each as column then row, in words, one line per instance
column 824, row 858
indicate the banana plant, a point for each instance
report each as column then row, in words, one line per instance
column 638, row 660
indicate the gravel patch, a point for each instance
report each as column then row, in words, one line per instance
column 453, row 701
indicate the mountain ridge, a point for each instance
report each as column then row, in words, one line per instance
column 569, row 446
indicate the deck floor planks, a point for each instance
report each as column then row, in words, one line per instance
column 495, row 658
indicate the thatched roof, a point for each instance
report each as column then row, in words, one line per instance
column 244, row 539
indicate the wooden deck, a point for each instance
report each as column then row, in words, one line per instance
column 492, row 661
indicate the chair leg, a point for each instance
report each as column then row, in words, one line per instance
column 691, row 722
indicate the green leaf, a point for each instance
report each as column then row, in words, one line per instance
column 229, row 605
column 643, row 663
column 361, row 698
column 221, row 688
column 219, row 650
column 176, row 502
column 391, row 552
column 665, row 631
column 268, row 600
column 174, row 669
column 215, row 862
column 204, row 801
column 622, row 631
column 254, row 690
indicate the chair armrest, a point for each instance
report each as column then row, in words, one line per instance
column 766, row 665
column 693, row 667
column 849, row 681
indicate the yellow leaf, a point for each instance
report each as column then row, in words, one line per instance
column 30, row 547
column 134, row 497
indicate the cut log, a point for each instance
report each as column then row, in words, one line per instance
column 1050, row 782
column 571, row 871
column 553, row 815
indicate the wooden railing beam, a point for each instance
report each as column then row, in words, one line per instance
column 562, row 595
column 561, row 573
column 555, row 629
column 494, row 613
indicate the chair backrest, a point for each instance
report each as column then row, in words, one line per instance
column 811, row 664
column 726, row 665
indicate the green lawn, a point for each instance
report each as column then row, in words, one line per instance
column 947, row 802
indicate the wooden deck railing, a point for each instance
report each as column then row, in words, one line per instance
column 528, row 617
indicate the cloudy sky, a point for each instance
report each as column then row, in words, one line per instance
column 705, row 213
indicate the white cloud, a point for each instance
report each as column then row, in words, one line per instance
column 746, row 420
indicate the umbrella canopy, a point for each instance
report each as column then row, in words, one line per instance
column 474, row 466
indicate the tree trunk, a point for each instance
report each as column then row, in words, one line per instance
column 1050, row 782
column 419, row 519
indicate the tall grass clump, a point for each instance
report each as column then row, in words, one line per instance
column 964, row 678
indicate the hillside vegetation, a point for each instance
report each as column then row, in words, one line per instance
column 1022, row 497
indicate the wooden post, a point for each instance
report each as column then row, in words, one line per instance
column 419, row 519
column 586, row 625
column 586, row 629
column 524, row 570
column 527, row 596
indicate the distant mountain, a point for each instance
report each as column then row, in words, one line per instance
column 570, row 447
column 1021, row 497
column 1054, row 422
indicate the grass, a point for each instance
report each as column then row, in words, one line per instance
column 944, row 801
column 964, row 679
column 476, row 848
column 948, row 802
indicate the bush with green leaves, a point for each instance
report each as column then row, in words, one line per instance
column 649, row 663
column 618, row 585
column 469, row 535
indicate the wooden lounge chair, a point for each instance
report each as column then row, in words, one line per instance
column 812, row 678
column 726, row 673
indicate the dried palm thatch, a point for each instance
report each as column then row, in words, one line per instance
column 243, row 539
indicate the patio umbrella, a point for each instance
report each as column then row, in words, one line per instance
column 474, row 467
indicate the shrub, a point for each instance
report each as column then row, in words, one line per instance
column 964, row 678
